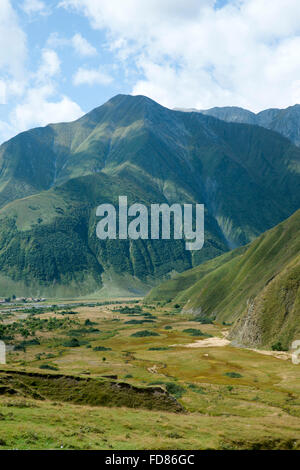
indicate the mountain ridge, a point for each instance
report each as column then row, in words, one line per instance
column 284, row 121
column 55, row 177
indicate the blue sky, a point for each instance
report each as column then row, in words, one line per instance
column 53, row 31
column 61, row 58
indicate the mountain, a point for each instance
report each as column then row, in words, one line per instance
column 52, row 179
column 285, row 121
column 257, row 287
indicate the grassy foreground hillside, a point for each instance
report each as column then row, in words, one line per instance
column 91, row 376
column 258, row 285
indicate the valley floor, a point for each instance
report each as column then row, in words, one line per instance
column 233, row 398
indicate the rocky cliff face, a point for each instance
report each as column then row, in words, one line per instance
column 272, row 319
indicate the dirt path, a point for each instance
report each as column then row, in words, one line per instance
column 278, row 354
column 217, row 342
column 214, row 342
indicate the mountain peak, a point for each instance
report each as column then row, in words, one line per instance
column 122, row 99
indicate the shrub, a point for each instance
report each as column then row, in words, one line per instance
column 134, row 322
column 129, row 310
column 138, row 322
column 175, row 389
column 20, row 347
column 30, row 342
column 73, row 343
column 143, row 333
column 48, row 367
column 278, row 347
column 195, row 332
column 196, row 389
column 68, row 312
column 101, row 348
column 233, row 375
column 203, row 320
column 89, row 323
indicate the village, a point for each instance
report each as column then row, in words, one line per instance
column 13, row 299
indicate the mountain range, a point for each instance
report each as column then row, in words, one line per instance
column 52, row 179
column 284, row 121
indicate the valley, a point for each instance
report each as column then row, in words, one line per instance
column 62, row 386
column 104, row 335
column 150, row 230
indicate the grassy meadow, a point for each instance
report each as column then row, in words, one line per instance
column 122, row 375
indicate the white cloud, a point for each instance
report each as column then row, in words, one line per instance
column 50, row 65
column 79, row 44
column 40, row 108
column 82, row 46
column 31, row 97
column 3, row 87
column 85, row 76
column 13, row 55
column 191, row 54
column 6, row 131
column 13, row 50
column 10, row 88
column 34, row 7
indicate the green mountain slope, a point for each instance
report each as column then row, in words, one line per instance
column 272, row 319
column 257, row 285
column 48, row 243
column 53, row 178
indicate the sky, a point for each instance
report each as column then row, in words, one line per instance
column 61, row 58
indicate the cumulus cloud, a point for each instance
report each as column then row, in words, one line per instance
column 13, row 54
column 40, row 107
column 3, row 87
column 203, row 53
column 32, row 96
column 82, row 46
column 85, row 76
column 13, row 49
column 41, row 103
column 50, row 65
column 34, row 7
column 6, row 131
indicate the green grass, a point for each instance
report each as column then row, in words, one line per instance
column 234, row 398
column 265, row 274
column 45, row 425
column 88, row 391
